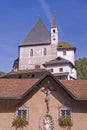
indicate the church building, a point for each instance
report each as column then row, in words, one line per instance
column 40, row 47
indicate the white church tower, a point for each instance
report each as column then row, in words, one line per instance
column 54, row 32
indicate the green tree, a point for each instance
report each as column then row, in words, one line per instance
column 81, row 65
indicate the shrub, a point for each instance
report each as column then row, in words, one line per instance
column 65, row 122
column 19, row 122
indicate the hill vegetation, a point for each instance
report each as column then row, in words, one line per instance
column 81, row 65
column 1, row 73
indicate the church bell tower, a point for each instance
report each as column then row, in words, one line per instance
column 54, row 32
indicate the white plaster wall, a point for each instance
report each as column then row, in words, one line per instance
column 70, row 55
column 74, row 73
column 54, row 36
column 66, row 68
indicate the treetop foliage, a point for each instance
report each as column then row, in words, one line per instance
column 81, row 65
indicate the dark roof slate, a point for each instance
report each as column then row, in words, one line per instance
column 58, row 61
column 38, row 35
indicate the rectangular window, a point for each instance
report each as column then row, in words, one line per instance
column 22, row 112
column 51, row 70
column 65, row 112
column 60, row 69
column 65, row 119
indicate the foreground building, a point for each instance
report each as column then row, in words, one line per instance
column 43, row 102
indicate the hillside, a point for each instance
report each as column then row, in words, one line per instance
column 81, row 65
column 1, row 73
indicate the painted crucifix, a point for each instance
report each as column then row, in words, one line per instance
column 47, row 99
column 47, row 120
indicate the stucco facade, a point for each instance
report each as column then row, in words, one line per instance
column 37, row 107
column 65, row 68
column 70, row 55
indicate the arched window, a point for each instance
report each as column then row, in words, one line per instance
column 31, row 52
column 45, row 51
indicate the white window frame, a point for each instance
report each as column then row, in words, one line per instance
column 21, row 109
column 65, row 108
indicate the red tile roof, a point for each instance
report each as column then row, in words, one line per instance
column 15, row 88
column 76, row 87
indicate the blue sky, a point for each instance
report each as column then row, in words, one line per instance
column 18, row 16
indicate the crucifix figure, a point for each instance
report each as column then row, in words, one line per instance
column 47, row 97
column 47, row 122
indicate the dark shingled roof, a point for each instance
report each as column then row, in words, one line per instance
column 38, row 35
column 58, row 61
column 14, row 74
column 24, row 72
column 65, row 45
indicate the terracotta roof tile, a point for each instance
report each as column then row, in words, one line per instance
column 14, row 88
column 77, row 87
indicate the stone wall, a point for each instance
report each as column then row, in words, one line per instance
column 29, row 62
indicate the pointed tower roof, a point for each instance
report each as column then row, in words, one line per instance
column 37, row 36
column 54, row 23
